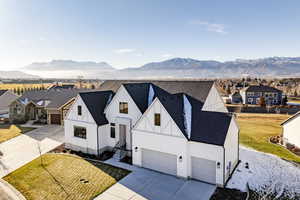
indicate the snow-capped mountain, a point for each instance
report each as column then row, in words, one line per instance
column 172, row 68
column 180, row 63
column 187, row 67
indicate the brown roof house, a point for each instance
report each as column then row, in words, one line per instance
column 44, row 106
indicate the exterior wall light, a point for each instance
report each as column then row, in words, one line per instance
column 135, row 149
column 180, row 158
column 218, row 165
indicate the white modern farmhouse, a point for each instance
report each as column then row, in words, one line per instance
column 291, row 127
column 172, row 127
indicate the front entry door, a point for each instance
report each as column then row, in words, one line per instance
column 122, row 134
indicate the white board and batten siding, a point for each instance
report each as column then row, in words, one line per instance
column 167, row 142
column 214, row 101
column 164, row 139
column 231, row 148
column 88, row 145
column 291, row 133
column 112, row 110
column 113, row 115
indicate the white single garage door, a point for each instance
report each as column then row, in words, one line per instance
column 204, row 170
column 159, row 161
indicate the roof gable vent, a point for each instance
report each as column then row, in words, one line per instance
column 187, row 114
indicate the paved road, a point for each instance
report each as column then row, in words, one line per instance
column 24, row 148
column 143, row 184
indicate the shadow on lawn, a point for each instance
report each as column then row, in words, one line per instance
column 115, row 172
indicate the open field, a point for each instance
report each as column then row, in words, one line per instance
column 10, row 131
column 256, row 129
column 64, row 177
column 13, row 86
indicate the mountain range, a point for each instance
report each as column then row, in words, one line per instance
column 172, row 68
column 17, row 75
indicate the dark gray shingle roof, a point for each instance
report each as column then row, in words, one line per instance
column 55, row 98
column 207, row 127
column 2, row 92
column 96, row 103
column 261, row 88
column 139, row 92
column 196, row 89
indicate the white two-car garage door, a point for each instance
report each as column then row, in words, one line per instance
column 204, row 170
column 158, row 161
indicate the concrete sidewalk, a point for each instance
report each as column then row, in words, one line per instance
column 8, row 192
column 22, row 149
column 143, row 184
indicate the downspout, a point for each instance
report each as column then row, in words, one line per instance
column 98, row 140
column 224, row 166
column 238, row 150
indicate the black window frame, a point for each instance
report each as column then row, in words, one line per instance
column 123, row 107
column 81, row 134
column 79, row 110
column 157, row 119
column 112, row 130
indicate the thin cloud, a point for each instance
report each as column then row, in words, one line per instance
column 167, row 55
column 212, row 27
column 122, row 51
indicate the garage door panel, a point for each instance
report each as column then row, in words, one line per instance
column 159, row 161
column 55, row 118
column 204, row 170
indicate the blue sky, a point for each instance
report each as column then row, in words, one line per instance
column 130, row 33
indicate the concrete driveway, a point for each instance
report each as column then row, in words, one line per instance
column 147, row 184
column 24, row 148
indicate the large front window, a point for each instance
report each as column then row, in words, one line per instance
column 123, row 107
column 80, row 132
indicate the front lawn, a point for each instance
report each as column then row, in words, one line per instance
column 64, row 177
column 8, row 132
column 256, row 130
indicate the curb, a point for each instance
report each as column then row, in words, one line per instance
column 10, row 189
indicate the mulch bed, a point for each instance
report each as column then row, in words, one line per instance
column 228, row 194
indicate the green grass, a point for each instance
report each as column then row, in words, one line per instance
column 62, row 177
column 8, row 132
column 256, row 129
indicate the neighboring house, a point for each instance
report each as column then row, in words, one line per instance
column 236, row 98
column 62, row 87
column 46, row 106
column 291, row 127
column 174, row 133
column 252, row 95
column 6, row 98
